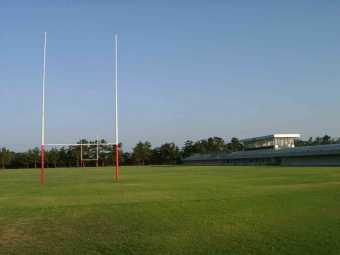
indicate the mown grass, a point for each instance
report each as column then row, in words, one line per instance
column 171, row 210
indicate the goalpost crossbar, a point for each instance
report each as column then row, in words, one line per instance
column 78, row 144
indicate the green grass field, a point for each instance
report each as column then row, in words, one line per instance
column 171, row 210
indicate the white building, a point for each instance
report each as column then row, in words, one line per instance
column 274, row 141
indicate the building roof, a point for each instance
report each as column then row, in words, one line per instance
column 267, row 137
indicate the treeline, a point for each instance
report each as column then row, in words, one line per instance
column 169, row 153
column 142, row 154
column 319, row 140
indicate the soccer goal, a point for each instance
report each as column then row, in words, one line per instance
column 83, row 159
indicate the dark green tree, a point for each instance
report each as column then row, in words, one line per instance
column 5, row 157
column 169, row 153
column 234, row 145
column 188, row 148
column 142, row 152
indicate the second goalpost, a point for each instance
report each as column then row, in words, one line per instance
column 115, row 144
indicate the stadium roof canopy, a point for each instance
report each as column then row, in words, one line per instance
column 317, row 150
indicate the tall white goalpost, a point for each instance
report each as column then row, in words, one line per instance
column 116, row 106
column 42, row 169
column 115, row 93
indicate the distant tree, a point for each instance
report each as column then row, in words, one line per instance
column 142, row 152
column 33, row 157
column 36, row 153
column 201, row 146
column 52, row 157
column 188, row 148
column 61, row 158
column 73, row 155
column 105, row 155
column 210, row 145
column 5, row 157
column 127, row 158
column 234, row 145
column 326, row 139
column 215, row 144
column 318, row 140
column 155, row 156
column 30, row 156
column 21, row 160
column 310, row 141
column 169, row 153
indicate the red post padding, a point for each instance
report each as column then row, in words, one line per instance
column 117, row 162
column 42, row 166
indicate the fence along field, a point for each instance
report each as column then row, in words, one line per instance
column 171, row 210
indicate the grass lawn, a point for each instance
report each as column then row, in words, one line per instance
column 171, row 210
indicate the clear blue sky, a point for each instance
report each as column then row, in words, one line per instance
column 187, row 70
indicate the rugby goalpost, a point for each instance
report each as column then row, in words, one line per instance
column 97, row 144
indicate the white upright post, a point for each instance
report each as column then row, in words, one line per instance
column 97, row 158
column 42, row 168
column 116, row 106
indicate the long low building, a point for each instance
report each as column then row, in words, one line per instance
column 319, row 155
